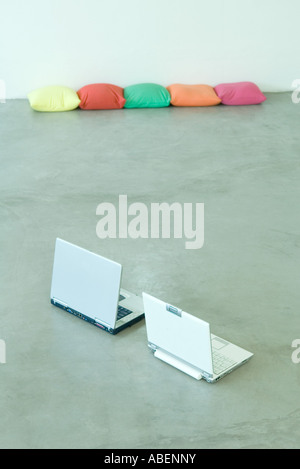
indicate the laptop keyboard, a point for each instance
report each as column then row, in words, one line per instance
column 221, row 363
column 122, row 312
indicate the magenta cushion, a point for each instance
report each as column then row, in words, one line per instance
column 240, row 93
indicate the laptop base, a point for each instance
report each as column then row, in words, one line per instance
column 126, row 324
column 73, row 311
column 171, row 360
column 112, row 331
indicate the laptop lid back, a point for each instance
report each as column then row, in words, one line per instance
column 86, row 282
column 178, row 333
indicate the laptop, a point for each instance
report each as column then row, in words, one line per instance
column 88, row 286
column 185, row 342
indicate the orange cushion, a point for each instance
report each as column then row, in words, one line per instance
column 101, row 96
column 193, row 95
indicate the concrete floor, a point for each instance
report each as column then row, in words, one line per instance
column 66, row 384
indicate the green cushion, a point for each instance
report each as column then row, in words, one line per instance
column 146, row 95
column 53, row 99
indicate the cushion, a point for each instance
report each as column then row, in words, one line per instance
column 146, row 95
column 240, row 93
column 101, row 96
column 53, row 99
column 193, row 95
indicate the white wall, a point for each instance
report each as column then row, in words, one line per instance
column 76, row 42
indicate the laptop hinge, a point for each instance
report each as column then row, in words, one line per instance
column 152, row 346
column 59, row 302
column 179, row 364
column 206, row 375
column 99, row 321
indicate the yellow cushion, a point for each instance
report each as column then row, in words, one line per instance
column 53, row 99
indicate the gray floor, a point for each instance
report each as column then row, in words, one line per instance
column 65, row 384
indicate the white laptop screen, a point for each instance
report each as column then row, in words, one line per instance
column 86, row 282
column 180, row 334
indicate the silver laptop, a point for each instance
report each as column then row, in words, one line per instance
column 89, row 286
column 185, row 342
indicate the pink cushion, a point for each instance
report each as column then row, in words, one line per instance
column 241, row 93
column 101, row 96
